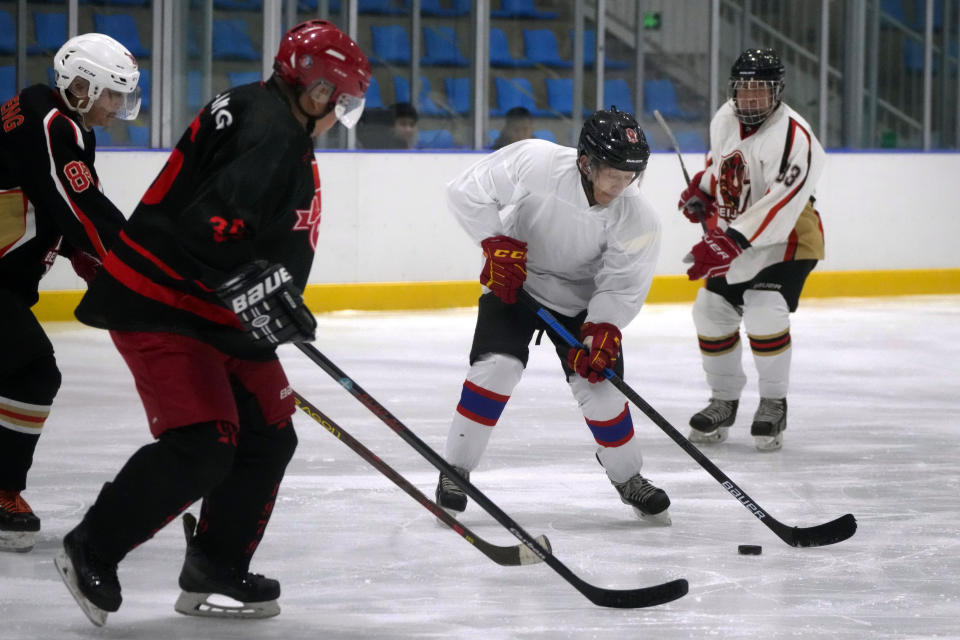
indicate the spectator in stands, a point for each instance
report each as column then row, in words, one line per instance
column 519, row 126
column 405, row 118
column 393, row 127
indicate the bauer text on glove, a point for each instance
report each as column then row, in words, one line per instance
column 711, row 257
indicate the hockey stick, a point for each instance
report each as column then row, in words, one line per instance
column 515, row 555
column 823, row 534
column 683, row 167
column 619, row 598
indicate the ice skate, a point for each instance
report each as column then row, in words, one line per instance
column 769, row 423
column 648, row 502
column 450, row 497
column 200, row 578
column 18, row 523
column 710, row 426
column 92, row 582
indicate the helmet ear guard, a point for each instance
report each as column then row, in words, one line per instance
column 106, row 65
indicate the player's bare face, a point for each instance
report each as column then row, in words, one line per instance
column 754, row 98
column 608, row 183
column 314, row 102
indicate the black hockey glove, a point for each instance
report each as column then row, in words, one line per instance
column 272, row 312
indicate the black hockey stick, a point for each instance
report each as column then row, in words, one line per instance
column 823, row 534
column 619, row 598
column 515, row 555
column 686, row 176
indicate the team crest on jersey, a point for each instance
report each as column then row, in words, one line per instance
column 631, row 135
column 733, row 186
column 309, row 220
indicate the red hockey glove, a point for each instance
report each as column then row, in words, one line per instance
column 505, row 268
column 86, row 265
column 712, row 256
column 603, row 340
column 695, row 203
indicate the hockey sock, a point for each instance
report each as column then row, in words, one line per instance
column 156, row 484
column 26, row 395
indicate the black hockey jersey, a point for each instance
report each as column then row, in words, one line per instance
column 50, row 198
column 241, row 185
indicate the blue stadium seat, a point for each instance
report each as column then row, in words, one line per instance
column 435, row 139
column 311, row 5
column 122, row 27
column 521, row 9
column 391, row 45
column 8, row 82
column 195, row 99
column 560, row 96
column 139, row 135
column 425, row 104
column 540, row 47
column 590, row 52
column 545, row 134
column 8, row 39
column 372, row 97
column 237, row 78
column 893, row 9
column 51, row 77
column 121, row 3
column 458, row 94
column 384, row 7
column 442, row 48
column 241, row 5
column 662, row 95
column 515, row 92
column 492, row 136
column 50, row 32
column 500, row 51
column 231, row 40
column 617, row 93
column 435, row 8
column 690, row 141
column 103, row 137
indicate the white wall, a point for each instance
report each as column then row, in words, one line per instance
column 384, row 218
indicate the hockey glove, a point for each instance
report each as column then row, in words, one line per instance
column 268, row 305
column 695, row 203
column 603, row 341
column 711, row 257
column 86, row 265
column 505, row 268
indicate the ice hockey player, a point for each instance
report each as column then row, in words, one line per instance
column 203, row 284
column 765, row 237
column 50, row 204
column 583, row 241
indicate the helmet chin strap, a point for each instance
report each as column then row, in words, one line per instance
column 312, row 119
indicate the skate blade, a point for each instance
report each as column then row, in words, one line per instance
column 529, row 557
column 716, row 436
column 661, row 519
column 768, row 443
column 199, row 604
column 95, row 614
column 17, row 541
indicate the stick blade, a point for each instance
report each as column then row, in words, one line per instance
column 823, row 534
column 637, row 598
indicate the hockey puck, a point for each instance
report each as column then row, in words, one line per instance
column 749, row 549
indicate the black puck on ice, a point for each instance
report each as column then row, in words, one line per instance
column 749, row 549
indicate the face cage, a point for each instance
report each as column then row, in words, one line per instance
column 754, row 110
column 349, row 109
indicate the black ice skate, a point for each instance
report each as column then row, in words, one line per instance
column 201, row 577
column 18, row 523
column 451, row 497
column 710, row 426
column 91, row 580
column 769, row 423
column 648, row 502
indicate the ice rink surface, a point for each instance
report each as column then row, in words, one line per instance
column 873, row 431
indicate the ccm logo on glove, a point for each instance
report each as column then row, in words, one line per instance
column 505, row 268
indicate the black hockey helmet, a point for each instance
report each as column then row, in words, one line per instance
column 614, row 138
column 756, row 69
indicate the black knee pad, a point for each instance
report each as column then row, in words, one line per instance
column 284, row 442
column 36, row 382
column 206, row 450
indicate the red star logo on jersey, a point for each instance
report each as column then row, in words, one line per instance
column 309, row 220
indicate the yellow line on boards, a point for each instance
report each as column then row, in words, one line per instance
column 394, row 296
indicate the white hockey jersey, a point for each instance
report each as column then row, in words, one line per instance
column 763, row 182
column 599, row 258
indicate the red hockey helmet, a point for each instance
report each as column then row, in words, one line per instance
column 315, row 51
